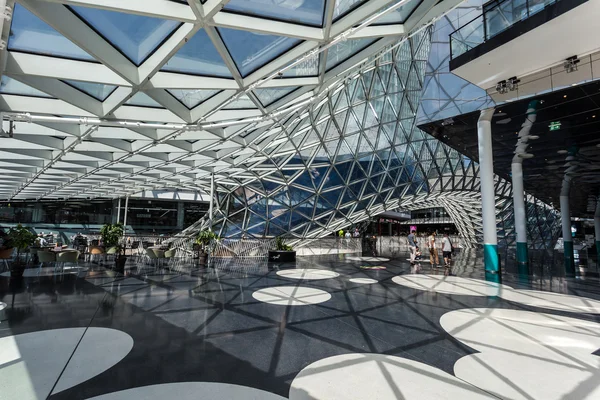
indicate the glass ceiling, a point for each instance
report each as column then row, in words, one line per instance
column 143, row 100
column 30, row 34
column 309, row 12
column 192, row 98
column 271, row 95
column 135, row 36
column 96, row 90
column 250, row 50
column 199, row 57
column 13, row 86
column 342, row 7
column 344, row 50
column 171, row 54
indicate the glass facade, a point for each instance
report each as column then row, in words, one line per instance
column 360, row 153
column 143, row 215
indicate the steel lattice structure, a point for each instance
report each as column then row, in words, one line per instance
column 359, row 154
column 303, row 112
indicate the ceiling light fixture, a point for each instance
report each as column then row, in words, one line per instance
column 570, row 64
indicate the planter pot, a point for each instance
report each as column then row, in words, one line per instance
column 282, row 256
column 17, row 271
column 202, row 259
column 120, row 263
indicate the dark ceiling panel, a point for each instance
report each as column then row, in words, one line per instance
column 577, row 112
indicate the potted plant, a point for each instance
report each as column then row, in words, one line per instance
column 203, row 242
column 111, row 237
column 283, row 252
column 19, row 238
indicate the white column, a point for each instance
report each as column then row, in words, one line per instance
column 126, row 209
column 597, row 229
column 565, row 218
column 212, row 196
column 119, row 211
column 488, row 192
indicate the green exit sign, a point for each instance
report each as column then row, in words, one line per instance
column 554, row 126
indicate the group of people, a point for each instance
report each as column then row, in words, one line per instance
column 349, row 234
column 415, row 252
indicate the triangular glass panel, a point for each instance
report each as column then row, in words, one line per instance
column 198, row 57
column 343, row 7
column 191, row 98
column 397, row 16
column 143, row 100
column 334, row 178
column 13, row 86
column 318, row 174
column 377, row 89
column 271, row 95
column 367, row 79
column 30, row 34
column 96, row 90
column 298, row 195
column 136, row 36
column 300, row 12
column 251, row 51
column 342, row 51
column 242, row 103
column 342, row 102
column 307, row 67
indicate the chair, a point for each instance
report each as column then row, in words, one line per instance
column 151, row 256
column 45, row 257
column 71, row 256
column 160, row 255
column 5, row 255
column 112, row 251
column 170, row 256
column 95, row 251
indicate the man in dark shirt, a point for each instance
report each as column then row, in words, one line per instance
column 412, row 246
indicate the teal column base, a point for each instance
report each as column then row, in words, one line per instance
column 569, row 259
column 491, row 261
column 522, row 261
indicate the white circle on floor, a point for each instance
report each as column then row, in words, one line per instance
column 364, row 281
column 378, row 377
column 451, row 285
column 291, row 295
column 368, row 259
column 553, row 301
column 191, row 391
column 32, row 362
column 527, row 355
column 307, row 274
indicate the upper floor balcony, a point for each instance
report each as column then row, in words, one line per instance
column 518, row 37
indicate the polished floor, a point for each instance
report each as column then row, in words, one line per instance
column 325, row 328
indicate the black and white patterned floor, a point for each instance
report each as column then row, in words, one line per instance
column 327, row 328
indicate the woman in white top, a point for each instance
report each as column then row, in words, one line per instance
column 447, row 250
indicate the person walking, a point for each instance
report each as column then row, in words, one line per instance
column 412, row 246
column 433, row 254
column 447, row 250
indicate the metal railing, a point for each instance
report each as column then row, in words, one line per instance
column 497, row 16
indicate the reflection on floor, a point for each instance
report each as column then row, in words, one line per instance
column 325, row 328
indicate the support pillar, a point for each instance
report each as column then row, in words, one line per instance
column 520, row 216
column 565, row 217
column 520, row 212
column 488, row 193
column 119, row 210
column 597, row 229
column 212, row 199
column 125, row 216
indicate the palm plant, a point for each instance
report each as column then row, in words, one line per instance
column 281, row 245
column 205, row 238
column 20, row 238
